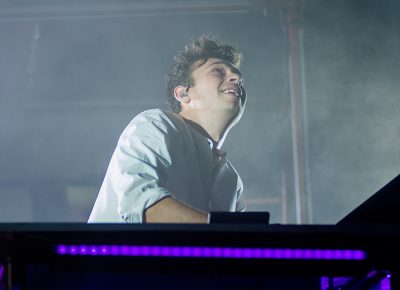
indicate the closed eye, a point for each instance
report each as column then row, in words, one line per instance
column 219, row 70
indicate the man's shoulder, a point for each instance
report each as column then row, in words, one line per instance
column 157, row 114
column 157, row 118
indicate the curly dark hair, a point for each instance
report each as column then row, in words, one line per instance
column 201, row 49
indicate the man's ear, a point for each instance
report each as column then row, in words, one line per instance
column 181, row 94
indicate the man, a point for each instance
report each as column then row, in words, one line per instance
column 168, row 166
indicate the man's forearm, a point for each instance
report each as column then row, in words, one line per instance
column 169, row 210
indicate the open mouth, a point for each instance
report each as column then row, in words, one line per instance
column 232, row 92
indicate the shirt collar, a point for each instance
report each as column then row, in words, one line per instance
column 211, row 144
column 218, row 152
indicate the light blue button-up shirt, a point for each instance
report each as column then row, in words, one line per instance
column 160, row 155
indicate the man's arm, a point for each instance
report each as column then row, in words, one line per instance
column 169, row 210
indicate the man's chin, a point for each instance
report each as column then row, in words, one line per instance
column 235, row 112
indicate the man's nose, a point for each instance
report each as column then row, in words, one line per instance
column 234, row 78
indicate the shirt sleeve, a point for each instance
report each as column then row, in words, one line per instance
column 140, row 165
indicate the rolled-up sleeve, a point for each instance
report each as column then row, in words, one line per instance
column 140, row 166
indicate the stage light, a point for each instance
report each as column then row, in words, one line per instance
column 211, row 252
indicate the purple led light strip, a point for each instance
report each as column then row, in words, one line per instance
column 210, row 252
column 1, row 273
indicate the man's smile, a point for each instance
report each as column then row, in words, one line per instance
column 232, row 91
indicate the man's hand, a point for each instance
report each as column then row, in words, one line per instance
column 168, row 210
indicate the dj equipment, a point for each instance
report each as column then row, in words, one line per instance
column 97, row 256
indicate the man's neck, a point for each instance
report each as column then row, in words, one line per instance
column 211, row 127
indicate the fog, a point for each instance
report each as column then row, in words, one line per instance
column 73, row 75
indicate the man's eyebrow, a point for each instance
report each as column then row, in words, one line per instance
column 230, row 65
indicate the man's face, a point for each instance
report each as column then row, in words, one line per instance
column 217, row 88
